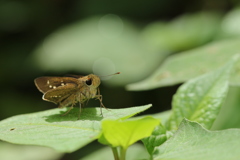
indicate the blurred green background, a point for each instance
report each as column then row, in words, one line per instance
column 57, row 37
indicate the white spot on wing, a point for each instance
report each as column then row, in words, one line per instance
column 56, row 96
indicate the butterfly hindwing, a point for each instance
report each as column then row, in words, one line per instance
column 60, row 93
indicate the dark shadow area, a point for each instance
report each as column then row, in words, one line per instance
column 86, row 114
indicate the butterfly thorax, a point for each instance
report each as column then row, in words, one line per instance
column 88, row 87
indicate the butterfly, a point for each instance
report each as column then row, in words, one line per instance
column 67, row 91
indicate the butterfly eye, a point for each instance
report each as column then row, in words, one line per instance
column 89, row 82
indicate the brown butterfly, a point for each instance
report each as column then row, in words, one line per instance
column 66, row 91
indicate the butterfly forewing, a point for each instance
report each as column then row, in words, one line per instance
column 56, row 89
column 74, row 76
column 45, row 84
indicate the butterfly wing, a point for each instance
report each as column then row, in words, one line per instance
column 60, row 93
column 73, row 75
column 56, row 89
column 45, row 84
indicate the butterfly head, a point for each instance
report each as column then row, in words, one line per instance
column 92, row 80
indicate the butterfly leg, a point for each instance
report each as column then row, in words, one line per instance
column 67, row 102
column 68, row 110
column 99, row 97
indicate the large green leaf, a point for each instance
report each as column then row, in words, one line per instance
column 162, row 116
column 182, row 33
column 102, row 45
column 230, row 23
column 25, row 152
column 189, row 64
column 63, row 133
column 193, row 142
column 229, row 114
column 200, row 99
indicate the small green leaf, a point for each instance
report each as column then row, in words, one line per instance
column 193, row 142
column 181, row 67
column 63, row 133
column 200, row 99
column 125, row 133
column 156, row 139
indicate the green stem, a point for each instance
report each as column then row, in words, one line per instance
column 115, row 153
column 123, row 153
column 151, row 157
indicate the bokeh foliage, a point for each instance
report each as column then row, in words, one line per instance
column 140, row 39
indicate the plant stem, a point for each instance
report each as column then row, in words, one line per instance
column 122, row 153
column 115, row 153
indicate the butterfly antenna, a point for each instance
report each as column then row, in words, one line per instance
column 110, row 74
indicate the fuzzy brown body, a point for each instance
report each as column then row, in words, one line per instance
column 67, row 91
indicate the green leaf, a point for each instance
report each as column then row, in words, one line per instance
column 189, row 64
column 124, row 133
column 200, row 99
column 24, row 152
column 63, row 133
column 102, row 45
column 159, row 135
column 135, row 151
column 184, row 32
column 162, row 116
column 230, row 23
column 193, row 142
column 156, row 139
column 229, row 114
